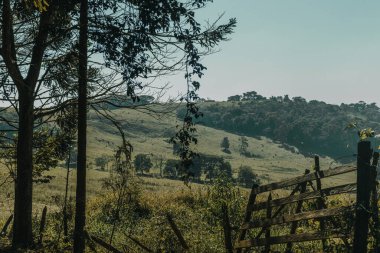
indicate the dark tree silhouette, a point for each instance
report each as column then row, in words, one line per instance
column 225, row 145
column 143, row 163
column 246, row 177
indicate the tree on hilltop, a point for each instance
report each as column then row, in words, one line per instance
column 234, row 98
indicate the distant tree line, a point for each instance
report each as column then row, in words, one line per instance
column 204, row 168
column 311, row 126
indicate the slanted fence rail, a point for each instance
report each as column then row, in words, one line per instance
column 256, row 232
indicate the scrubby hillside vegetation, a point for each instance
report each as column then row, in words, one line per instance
column 149, row 137
column 313, row 127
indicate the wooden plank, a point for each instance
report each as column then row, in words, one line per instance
column 248, row 214
column 308, row 195
column 320, row 202
column 289, row 238
column 141, row 245
column 6, row 225
column 102, row 243
column 296, row 189
column 300, row 216
column 302, row 179
column 177, row 232
column 294, row 224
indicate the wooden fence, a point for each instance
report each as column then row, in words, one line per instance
column 257, row 232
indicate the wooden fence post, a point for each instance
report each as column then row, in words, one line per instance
column 364, row 187
column 42, row 224
column 6, row 225
column 227, row 229
column 267, row 229
column 177, row 232
column 320, row 202
column 374, row 199
column 248, row 214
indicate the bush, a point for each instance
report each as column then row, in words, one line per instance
column 246, row 177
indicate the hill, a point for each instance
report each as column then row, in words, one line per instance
column 313, row 127
column 149, row 135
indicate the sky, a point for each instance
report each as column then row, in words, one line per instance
column 325, row 50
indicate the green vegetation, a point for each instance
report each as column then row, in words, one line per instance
column 246, row 177
column 225, row 145
column 313, row 127
column 149, row 135
column 142, row 163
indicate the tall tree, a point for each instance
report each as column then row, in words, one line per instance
column 80, row 209
column 22, row 225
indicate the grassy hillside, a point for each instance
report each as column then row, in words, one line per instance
column 149, row 135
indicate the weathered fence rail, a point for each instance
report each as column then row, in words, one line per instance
column 364, row 209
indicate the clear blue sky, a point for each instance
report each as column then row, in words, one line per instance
column 319, row 49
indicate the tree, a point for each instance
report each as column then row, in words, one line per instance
column 243, row 145
column 27, row 38
column 159, row 163
column 225, row 145
column 171, row 168
column 142, row 163
column 80, row 201
column 234, row 98
column 133, row 41
column 225, row 167
column 102, row 162
column 252, row 95
column 213, row 166
column 246, row 177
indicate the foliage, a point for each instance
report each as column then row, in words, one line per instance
column 234, row 98
column 364, row 133
column 311, row 126
column 197, row 213
column 246, row 177
column 222, row 194
column 50, row 147
column 171, row 168
column 102, row 161
column 211, row 166
column 243, row 145
column 225, row 145
column 143, row 163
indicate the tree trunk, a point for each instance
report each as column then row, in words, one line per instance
column 80, row 211
column 22, row 224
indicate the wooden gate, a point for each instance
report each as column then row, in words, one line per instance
column 263, row 218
